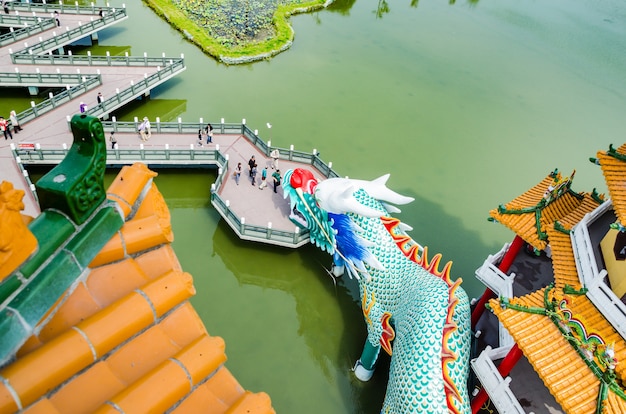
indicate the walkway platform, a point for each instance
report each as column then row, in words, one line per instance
column 34, row 56
column 254, row 214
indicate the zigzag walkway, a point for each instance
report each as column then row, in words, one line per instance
column 32, row 55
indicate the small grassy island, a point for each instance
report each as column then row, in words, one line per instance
column 235, row 31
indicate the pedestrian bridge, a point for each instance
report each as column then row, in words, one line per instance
column 252, row 214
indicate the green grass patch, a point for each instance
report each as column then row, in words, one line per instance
column 235, row 31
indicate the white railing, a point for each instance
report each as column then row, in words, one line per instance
column 502, row 285
column 29, row 54
column 489, row 274
column 497, row 387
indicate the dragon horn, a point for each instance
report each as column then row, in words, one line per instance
column 378, row 189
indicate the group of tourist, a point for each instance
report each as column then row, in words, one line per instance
column 253, row 171
column 5, row 127
column 205, row 133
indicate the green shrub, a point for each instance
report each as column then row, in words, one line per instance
column 235, row 31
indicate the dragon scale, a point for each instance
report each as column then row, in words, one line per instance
column 406, row 300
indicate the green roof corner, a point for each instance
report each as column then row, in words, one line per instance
column 76, row 222
column 76, row 186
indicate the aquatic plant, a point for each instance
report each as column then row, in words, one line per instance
column 235, row 31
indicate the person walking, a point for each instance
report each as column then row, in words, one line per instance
column 16, row 125
column 146, row 127
column 4, row 127
column 237, row 173
column 263, row 179
column 209, row 133
column 253, row 174
column 142, row 131
column 275, row 155
column 200, row 138
column 113, row 140
column 100, row 98
column 276, row 177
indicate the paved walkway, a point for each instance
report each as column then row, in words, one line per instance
column 257, row 206
column 52, row 127
column 51, row 130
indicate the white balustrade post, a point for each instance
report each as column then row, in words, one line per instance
column 296, row 233
column 38, row 149
column 33, row 190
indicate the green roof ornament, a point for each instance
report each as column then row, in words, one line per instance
column 76, row 185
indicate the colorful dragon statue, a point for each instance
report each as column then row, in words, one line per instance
column 404, row 296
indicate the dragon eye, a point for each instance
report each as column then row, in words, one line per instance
column 303, row 179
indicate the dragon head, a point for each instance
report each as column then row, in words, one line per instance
column 299, row 186
column 329, row 209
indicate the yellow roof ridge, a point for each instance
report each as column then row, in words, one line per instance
column 546, row 334
column 613, row 168
column 563, row 261
column 532, row 212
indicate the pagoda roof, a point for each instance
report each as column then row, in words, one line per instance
column 559, row 330
column 613, row 165
column 98, row 319
column 555, row 337
column 533, row 212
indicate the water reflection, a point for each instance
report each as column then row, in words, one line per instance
column 328, row 314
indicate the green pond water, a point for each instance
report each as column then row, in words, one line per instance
column 467, row 105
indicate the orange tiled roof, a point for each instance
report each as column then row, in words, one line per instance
column 613, row 164
column 563, row 262
column 125, row 337
column 530, row 214
column 569, row 379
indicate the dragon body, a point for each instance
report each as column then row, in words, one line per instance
column 414, row 311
